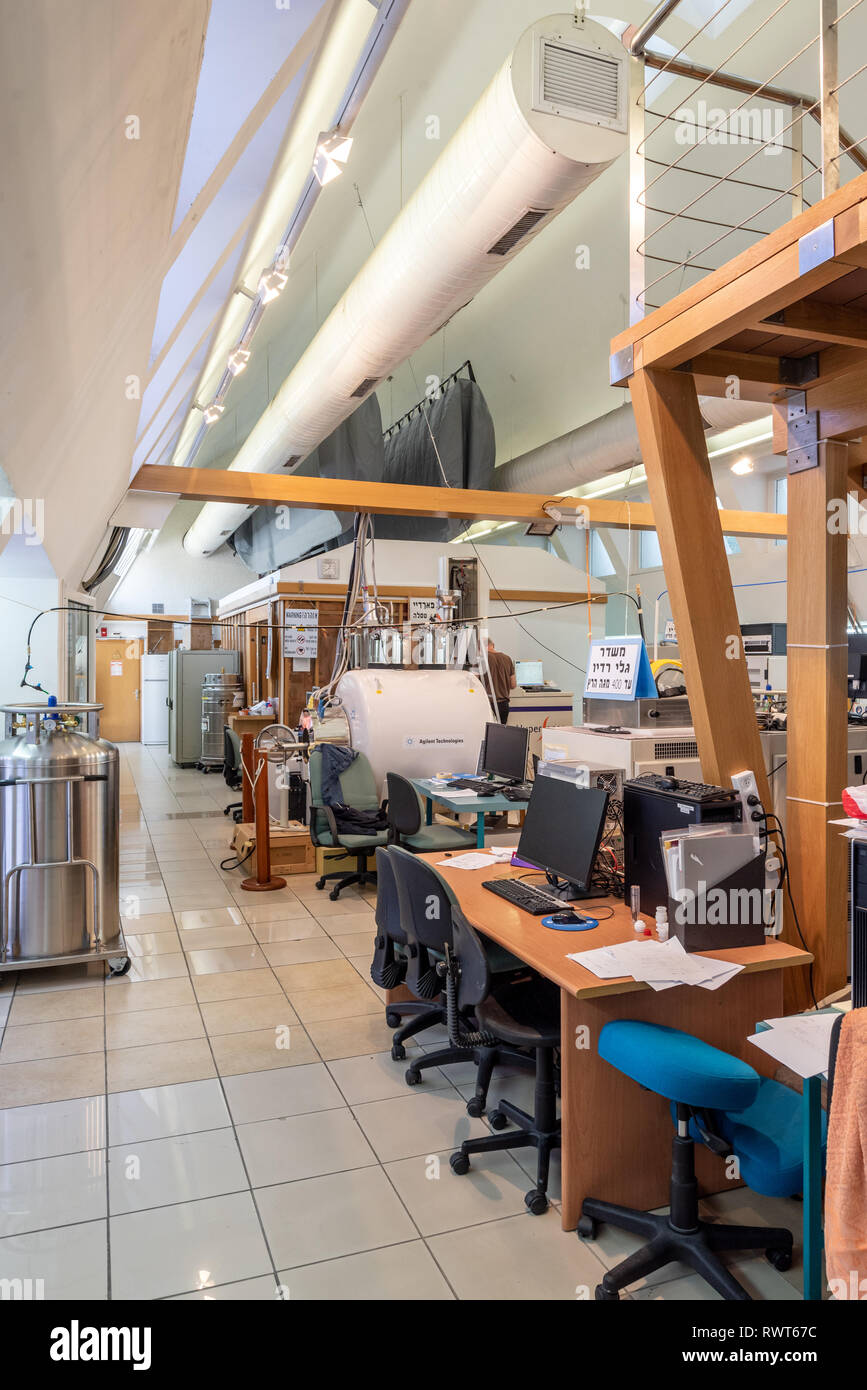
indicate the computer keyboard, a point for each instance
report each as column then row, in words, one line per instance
column 522, row 895
column 680, row 787
column 480, row 785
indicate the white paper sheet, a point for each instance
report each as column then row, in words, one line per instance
column 801, row 1042
column 470, row 860
column 656, row 963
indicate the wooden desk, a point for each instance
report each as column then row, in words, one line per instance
column 617, row 1137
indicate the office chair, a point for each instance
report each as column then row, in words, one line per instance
column 233, row 772
column 388, row 967
column 426, row 914
column 716, row 1100
column 405, row 822
column 522, row 1010
column 358, row 789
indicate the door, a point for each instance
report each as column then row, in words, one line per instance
column 118, row 688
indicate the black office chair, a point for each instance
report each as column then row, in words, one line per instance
column 426, row 908
column 388, row 967
column 405, row 822
column 358, row 789
column 233, row 772
column 522, row 1010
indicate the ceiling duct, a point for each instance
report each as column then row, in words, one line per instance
column 605, row 445
column 518, row 151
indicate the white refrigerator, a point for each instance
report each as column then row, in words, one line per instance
column 155, row 699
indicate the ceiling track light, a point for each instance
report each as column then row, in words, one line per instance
column 742, row 466
column 213, row 412
column 238, row 359
column 271, row 282
column 332, row 152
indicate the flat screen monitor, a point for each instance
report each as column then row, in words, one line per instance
column 529, row 673
column 504, row 751
column 563, row 827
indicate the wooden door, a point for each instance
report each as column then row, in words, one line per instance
column 118, row 688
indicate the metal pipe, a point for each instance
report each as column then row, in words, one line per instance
column 642, row 36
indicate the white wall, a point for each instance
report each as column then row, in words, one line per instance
column 27, row 585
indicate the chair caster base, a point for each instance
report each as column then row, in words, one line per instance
column 398, row 1052
column 392, row 1019
column 475, row 1107
column 413, row 1076
column 588, row 1229
column 334, row 894
column 536, row 1202
column 320, row 883
column 497, row 1120
column 780, row 1259
column 459, row 1163
column 604, row 1295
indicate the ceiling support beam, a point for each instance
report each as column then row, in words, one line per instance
column 388, row 499
column 827, row 323
column 698, row 577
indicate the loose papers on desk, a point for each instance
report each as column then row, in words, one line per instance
column 471, row 860
column 660, row 964
column 801, row 1042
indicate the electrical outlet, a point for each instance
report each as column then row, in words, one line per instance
column 747, row 789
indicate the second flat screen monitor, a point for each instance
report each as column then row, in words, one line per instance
column 504, row 751
column 563, row 827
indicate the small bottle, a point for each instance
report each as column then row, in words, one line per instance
column 662, row 924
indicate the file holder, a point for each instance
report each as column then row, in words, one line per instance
column 740, row 895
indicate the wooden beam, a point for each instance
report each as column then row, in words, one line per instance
column 697, row 575
column 826, row 323
column 816, row 749
column 842, row 405
column 389, row 499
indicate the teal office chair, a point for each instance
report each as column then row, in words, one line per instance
column 358, row 789
column 716, row 1100
column 405, row 822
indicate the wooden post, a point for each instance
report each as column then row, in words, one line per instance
column 263, row 882
column 816, row 744
column 247, row 778
column 697, row 575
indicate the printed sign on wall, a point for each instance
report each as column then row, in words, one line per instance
column 301, row 632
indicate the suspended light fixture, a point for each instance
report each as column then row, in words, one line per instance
column 742, row 466
column 238, row 359
column 332, row 152
column 213, row 412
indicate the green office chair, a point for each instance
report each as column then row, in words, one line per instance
column 358, row 789
column 405, row 826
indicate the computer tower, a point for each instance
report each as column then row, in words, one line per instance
column 649, row 810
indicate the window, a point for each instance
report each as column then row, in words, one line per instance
column 600, row 563
column 732, row 545
column 649, row 553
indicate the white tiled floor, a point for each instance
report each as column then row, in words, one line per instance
column 226, row 1122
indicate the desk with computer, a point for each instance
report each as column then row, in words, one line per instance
column 686, row 1047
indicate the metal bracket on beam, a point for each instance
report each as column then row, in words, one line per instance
column 816, row 247
column 799, row 371
column 802, row 446
column 621, row 366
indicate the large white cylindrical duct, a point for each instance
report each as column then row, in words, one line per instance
column 605, row 445
column 551, row 121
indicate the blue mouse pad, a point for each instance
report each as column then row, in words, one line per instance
column 586, row 924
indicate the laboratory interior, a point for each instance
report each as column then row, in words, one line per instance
column 433, row 471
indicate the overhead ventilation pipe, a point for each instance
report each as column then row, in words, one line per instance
column 552, row 120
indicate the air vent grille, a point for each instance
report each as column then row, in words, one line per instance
column 579, row 81
column 524, row 225
column 158, row 608
column 366, row 385
column 684, row 748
